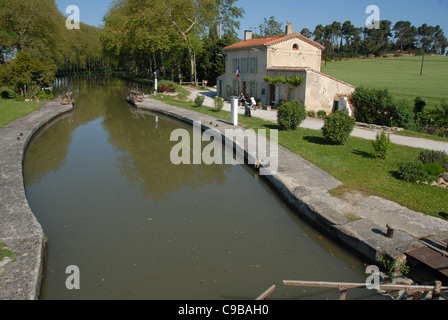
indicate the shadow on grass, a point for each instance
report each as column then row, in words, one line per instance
column 444, row 215
column 395, row 174
column 316, row 140
column 366, row 155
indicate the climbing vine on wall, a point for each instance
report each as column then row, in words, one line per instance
column 295, row 81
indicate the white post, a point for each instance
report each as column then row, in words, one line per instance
column 234, row 110
column 155, row 82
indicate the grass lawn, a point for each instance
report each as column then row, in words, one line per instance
column 5, row 252
column 351, row 163
column 11, row 110
column 401, row 75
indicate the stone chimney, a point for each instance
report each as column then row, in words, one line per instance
column 247, row 35
column 289, row 28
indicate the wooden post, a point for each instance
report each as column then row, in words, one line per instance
column 265, row 294
column 410, row 293
column 342, row 292
column 437, row 290
column 423, row 59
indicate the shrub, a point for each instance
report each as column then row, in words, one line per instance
column 371, row 105
column 5, row 94
column 199, row 100
column 401, row 115
column 290, row 115
column 381, row 145
column 167, row 88
column 376, row 106
column 412, row 172
column 337, row 127
column 45, row 95
column 321, row 114
column 434, row 169
column 434, row 122
column 419, row 105
column 432, row 156
column 311, row 114
column 219, row 103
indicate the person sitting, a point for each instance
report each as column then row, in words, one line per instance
column 242, row 99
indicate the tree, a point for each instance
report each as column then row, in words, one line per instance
column 377, row 40
column 270, row 28
column 426, row 37
column 440, row 41
column 26, row 74
column 405, row 34
column 318, row 34
column 306, row 32
column 336, row 33
column 352, row 38
column 227, row 15
column 211, row 60
column 33, row 26
column 145, row 36
column 37, row 27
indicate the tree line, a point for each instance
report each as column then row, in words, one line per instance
column 35, row 44
column 345, row 40
column 180, row 39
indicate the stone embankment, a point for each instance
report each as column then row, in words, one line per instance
column 361, row 223
column 20, row 277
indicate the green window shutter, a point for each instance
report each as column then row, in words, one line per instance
column 256, row 65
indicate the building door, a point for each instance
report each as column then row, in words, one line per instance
column 272, row 90
column 291, row 94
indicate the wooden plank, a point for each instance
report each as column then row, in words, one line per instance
column 349, row 285
column 265, row 294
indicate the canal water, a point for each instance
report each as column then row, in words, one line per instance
column 111, row 203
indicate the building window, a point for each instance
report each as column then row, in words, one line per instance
column 253, row 89
column 235, row 64
column 253, row 65
column 295, row 47
column 236, row 87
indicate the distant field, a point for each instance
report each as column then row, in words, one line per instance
column 401, row 75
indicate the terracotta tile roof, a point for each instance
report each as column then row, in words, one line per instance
column 257, row 42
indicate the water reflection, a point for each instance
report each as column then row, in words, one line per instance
column 111, row 202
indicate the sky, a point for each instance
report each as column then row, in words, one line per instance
column 304, row 14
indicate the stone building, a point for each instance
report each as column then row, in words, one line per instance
column 287, row 55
